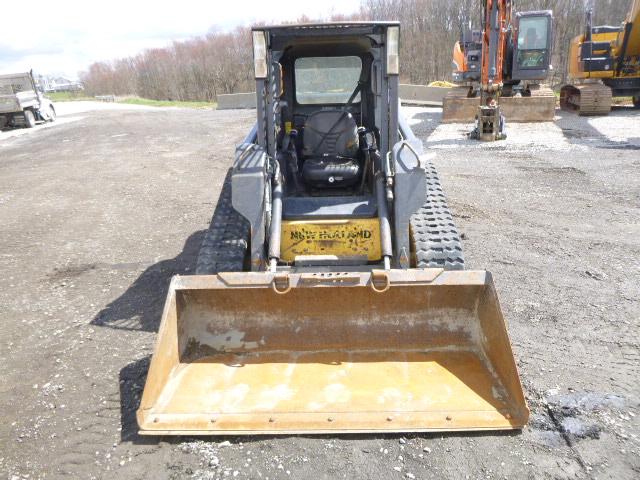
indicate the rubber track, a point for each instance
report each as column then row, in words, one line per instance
column 224, row 245
column 435, row 237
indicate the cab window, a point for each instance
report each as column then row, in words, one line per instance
column 533, row 33
column 327, row 80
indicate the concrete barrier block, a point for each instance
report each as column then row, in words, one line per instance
column 236, row 100
column 422, row 95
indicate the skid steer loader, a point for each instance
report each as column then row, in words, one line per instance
column 330, row 293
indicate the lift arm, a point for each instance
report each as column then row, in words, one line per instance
column 497, row 18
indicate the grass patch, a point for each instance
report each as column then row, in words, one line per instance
column 81, row 96
column 165, row 103
column 67, row 96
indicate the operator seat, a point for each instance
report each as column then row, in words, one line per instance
column 330, row 145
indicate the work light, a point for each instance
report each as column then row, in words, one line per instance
column 260, row 54
column 393, row 58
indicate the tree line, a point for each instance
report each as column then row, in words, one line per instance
column 220, row 62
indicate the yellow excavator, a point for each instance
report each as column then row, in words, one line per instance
column 604, row 62
column 330, row 292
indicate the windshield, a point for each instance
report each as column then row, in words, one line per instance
column 327, row 80
column 532, row 42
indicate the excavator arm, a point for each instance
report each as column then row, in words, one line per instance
column 497, row 16
column 631, row 32
column 497, row 19
column 627, row 44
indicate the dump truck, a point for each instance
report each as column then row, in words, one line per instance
column 330, row 293
column 22, row 102
column 505, row 63
column 604, row 62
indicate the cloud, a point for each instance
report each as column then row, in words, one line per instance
column 78, row 33
column 9, row 53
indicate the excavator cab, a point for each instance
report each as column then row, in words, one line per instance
column 532, row 48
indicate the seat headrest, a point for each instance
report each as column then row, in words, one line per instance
column 330, row 132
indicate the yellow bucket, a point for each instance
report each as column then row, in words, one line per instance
column 396, row 351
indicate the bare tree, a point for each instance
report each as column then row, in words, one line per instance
column 221, row 62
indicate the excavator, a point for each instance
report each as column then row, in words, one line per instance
column 467, row 58
column 604, row 62
column 330, row 293
column 500, row 71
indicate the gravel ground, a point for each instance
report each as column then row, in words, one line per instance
column 98, row 213
column 68, row 112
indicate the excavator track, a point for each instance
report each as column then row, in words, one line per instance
column 587, row 99
column 435, row 237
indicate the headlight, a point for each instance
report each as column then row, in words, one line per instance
column 260, row 54
column 393, row 58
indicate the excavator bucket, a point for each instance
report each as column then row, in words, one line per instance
column 381, row 351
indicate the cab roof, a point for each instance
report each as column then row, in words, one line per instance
column 350, row 27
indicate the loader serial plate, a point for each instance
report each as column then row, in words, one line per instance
column 342, row 238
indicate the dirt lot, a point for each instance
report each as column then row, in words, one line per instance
column 98, row 213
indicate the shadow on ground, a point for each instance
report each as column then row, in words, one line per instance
column 132, row 378
column 140, row 306
column 424, row 124
column 586, row 133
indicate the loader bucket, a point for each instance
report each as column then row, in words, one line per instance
column 395, row 351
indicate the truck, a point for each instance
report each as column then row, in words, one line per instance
column 22, row 101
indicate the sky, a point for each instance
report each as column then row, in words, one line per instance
column 65, row 36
